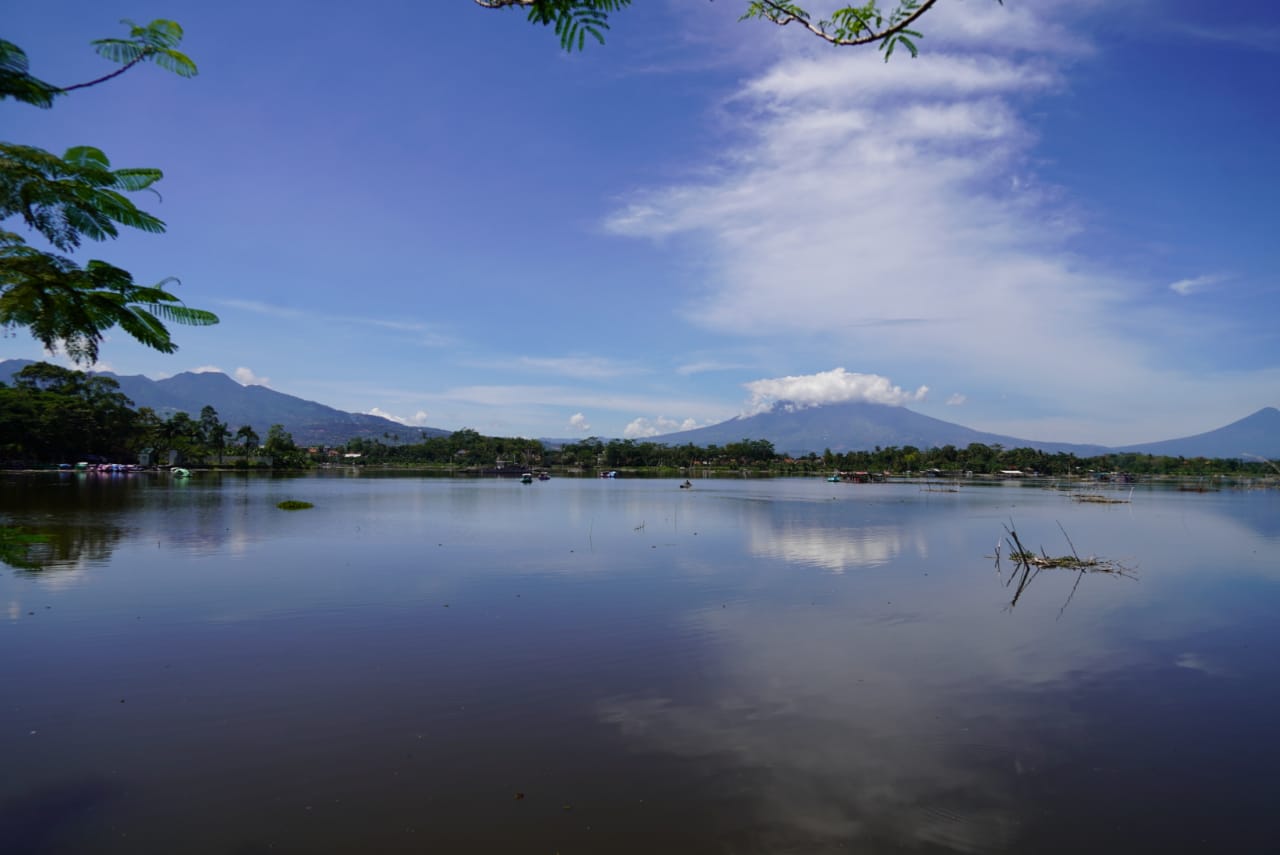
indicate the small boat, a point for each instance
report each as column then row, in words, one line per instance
column 834, row 479
column 179, row 472
column 543, row 476
column 526, row 478
column 610, row 474
column 686, row 485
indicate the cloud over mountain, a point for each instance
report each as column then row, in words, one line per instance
column 836, row 386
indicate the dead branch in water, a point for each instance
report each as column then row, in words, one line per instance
column 1028, row 564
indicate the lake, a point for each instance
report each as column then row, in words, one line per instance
column 593, row 666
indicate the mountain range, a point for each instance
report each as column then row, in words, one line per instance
column 792, row 429
column 310, row 423
column 861, row 426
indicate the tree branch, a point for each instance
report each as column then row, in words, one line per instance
column 785, row 16
column 119, row 71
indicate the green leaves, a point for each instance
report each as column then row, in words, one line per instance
column 67, row 199
column 155, row 42
column 850, row 25
column 573, row 20
column 900, row 37
column 16, row 81
column 72, row 197
column 64, row 304
column 854, row 24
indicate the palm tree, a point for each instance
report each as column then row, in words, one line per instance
column 247, row 437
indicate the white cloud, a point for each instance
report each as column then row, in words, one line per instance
column 246, row 377
column 578, row 421
column 866, row 77
column 1186, row 287
column 643, row 427
column 100, row 367
column 207, row 369
column 956, row 400
column 836, row 386
column 419, row 419
column 893, row 214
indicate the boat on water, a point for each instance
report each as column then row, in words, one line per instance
column 612, row 473
column 526, row 478
column 179, row 472
column 687, row 485
column 543, row 476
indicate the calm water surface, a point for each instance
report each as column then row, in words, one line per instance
column 585, row 666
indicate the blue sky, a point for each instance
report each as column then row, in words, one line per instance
column 1059, row 222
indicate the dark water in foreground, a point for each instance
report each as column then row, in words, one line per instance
column 425, row 665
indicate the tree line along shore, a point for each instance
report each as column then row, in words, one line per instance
column 52, row 416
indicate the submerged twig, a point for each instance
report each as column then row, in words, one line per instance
column 1027, row 564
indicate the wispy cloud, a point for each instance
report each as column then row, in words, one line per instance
column 1258, row 38
column 427, row 334
column 1186, row 287
column 956, row 400
column 259, row 308
column 578, row 366
column 573, row 397
column 829, row 387
column 581, row 367
column 705, row 367
column 578, row 422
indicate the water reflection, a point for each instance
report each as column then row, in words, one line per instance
column 834, row 550
column 57, row 547
column 654, row 669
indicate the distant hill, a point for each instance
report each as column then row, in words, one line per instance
column 861, row 427
column 1258, row 434
column 792, row 430
column 257, row 406
column 854, row 427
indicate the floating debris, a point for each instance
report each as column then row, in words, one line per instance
column 1028, row 564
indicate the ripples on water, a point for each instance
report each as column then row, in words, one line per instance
column 621, row 666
